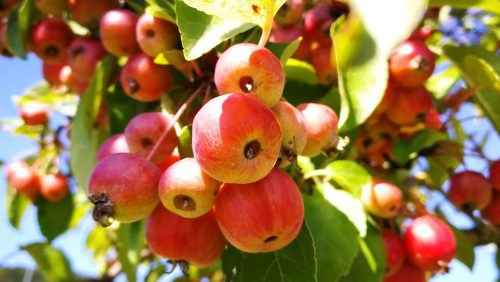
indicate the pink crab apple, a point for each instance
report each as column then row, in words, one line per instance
column 89, row 12
column 236, row 139
column 394, row 249
column 84, row 54
column 172, row 159
column 156, row 35
column 290, row 12
column 123, row 187
column 144, row 131
column 469, row 190
column 143, row 80
column 34, row 113
column 114, row 144
column 411, row 63
column 321, row 126
column 406, row 273
column 53, row 187
column 197, row 241
column 382, row 198
column 50, row 38
column 117, row 31
column 263, row 216
column 186, row 190
column 250, row 69
column 24, row 179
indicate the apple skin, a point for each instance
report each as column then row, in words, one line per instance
column 293, row 131
column 130, row 184
column 198, row 241
column 321, row 126
column 429, row 241
column 263, row 216
column 52, row 7
column 7, row 7
column 143, row 80
column 324, row 66
column 410, row 106
column 388, row 99
column 492, row 211
column 50, row 38
column 495, row 175
column 89, row 12
column 406, row 273
column 469, row 190
column 24, row 179
column 186, row 190
column 289, row 13
column 156, row 35
column 114, row 144
column 394, row 249
column 173, row 158
column 382, row 198
column 144, row 131
column 411, row 63
column 117, row 31
column 51, row 73
column 84, row 54
column 289, row 34
column 53, row 187
column 250, row 69
column 236, row 139
column 34, row 113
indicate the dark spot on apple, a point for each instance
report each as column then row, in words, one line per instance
column 184, row 203
column 150, row 33
column 270, row 239
column 51, row 51
column 252, row 149
column 133, row 85
column 246, row 84
column 147, row 143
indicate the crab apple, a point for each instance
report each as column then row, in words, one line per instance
column 53, row 187
column 382, row 198
column 144, row 131
column 321, row 126
column 293, row 131
column 410, row 106
column 143, row 80
column 469, row 190
column 13, row 167
column 492, row 211
column 263, row 216
column 51, row 73
column 156, row 35
column 6, row 6
column 34, row 113
column 324, row 66
column 89, row 12
column 250, row 69
column 186, row 190
column 407, row 272
column 411, row 63
column 173, row 158
column 123, row 187
column 114, row 144
column 289, row 34
column 317, row 20
column 50, row 38
column 198, row 241
column 394, row 249
column 495, row 175
column 84, row 54
column 388, row 99
column 236, row 139
column 433, row 120
column 290, row 12
column 52, row 7
column 429, row 243
column 117, row 31
column 24, row 179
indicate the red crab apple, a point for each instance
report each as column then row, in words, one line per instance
column 186, row 190
column 114, row 144
column 410, row 106
column 394, row 249
column 469, row 190
column 236, row 139
column 289, row 34
column 250, row 69
column 406, row 273
column 411, row 63
column 293, row 131
column 388, row 99
column 34, row 113
column 495, row 175
column 53, row 187
column 84, row 54
column 24, row 179
column 52, row 7
column 263, row 216
column 156, row 35
column 123, row 187
column 321, row 125
column 50, row 38
column 144, row 131
column 144, row 80
column 51, row 73
column 6, row 6
column 173, row 158
column 382, row 198
column 89, row 12
column 492, row 211
column 198, row 241
column 290, row 12
column 324, row 66
column 430, row 243
column 433, row 120
column 117, row 31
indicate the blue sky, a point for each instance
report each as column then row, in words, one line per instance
column 17, row 75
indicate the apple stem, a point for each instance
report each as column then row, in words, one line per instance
column 172, row 121
column 268, row 25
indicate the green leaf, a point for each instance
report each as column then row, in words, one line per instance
column 15, row 205
column 441, row 83
column 334, row 236
column 300, row 71
column 164, row 9
column 248, row 11
column 203, row 34
column 465, row 248
column 54, row 218
column 405, row 150
column 369, row 264
column 136, row 5
column 21, row 20
column 490, row 5
column 185, row 148
column 284, row 51
column 85, row 137
column 297, row 92
column 129, row 243
column 295, row 262
column 51, row 262
column 99, row 244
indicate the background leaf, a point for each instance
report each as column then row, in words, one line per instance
column 164, row 9
column 15, row 205
column 490, row 5
column 52, row 263
column 19, row 27
column 54, row 218
column 407, row 149
column 129, row 243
